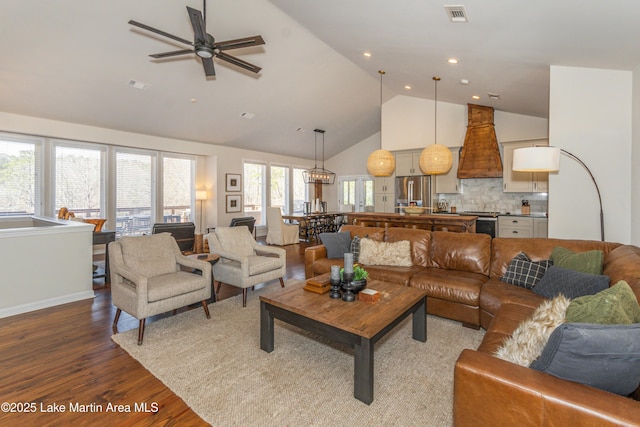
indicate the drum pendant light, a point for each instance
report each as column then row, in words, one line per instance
column 436, row 159
column 381, row 162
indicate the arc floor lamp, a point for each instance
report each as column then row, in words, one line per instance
column 547, row 159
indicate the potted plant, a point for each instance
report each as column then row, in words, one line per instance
column 359, row 281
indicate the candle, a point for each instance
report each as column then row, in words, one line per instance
column 335, row 272
column 348, row 262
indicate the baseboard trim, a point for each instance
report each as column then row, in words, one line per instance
column 45, row 303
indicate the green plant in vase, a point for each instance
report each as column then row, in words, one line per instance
column 359, row 273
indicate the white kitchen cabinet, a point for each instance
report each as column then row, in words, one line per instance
column 523, row 182
column 449, row 182
column 384, row 194
column 408, row 163
column 521, row 226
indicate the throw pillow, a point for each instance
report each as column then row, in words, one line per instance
column 589, row 262
column 337, row 244
column 570, row 283
column 530, row 337
column 385, row 253
column 355, row 248
column 602, row 356
column 524, row 272
column 614, row 306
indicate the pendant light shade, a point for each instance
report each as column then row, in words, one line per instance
column 436, row 159
column 381, row 162
column 318, row 175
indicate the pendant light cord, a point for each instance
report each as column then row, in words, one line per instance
column 382, row 73
column 435, row 109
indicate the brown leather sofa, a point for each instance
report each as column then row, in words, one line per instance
column 461, row 273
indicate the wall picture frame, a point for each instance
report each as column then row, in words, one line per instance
column 233, row 203
column 233, row 182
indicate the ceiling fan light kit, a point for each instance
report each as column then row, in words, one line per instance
column 435, row 159
column 204, row 44
column 381, row 162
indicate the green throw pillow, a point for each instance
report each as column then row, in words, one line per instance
column 614, row 306
column 589, row 262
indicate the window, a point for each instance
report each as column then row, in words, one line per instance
column 134, row 193
column 357, row 191
column 300, row 191
column 178, row 183
column 254, row 191
column 79, row 181
column 20, row 178
column 280, row 188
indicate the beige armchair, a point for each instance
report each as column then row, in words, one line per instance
column 279, row 233
column 243, row 262
column 147, row 278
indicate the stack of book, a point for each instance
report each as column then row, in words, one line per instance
column 319, row 284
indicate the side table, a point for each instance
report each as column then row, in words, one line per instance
column 211, row 259
column 104, row 237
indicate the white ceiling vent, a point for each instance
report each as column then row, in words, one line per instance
column 456, row 13
column 247, row 115
column 138, row 85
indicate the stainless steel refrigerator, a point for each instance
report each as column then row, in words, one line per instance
column 413, row 189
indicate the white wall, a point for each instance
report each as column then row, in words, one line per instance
column 635, row 160
column 590, row 116
column 408, row 123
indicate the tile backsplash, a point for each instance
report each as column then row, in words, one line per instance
column 485, row 194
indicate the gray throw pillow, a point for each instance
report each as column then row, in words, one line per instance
column 572, row 284
column 602, row 356
column 524, row 272
column 337, row 244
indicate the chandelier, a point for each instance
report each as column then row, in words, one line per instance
column 318, row 175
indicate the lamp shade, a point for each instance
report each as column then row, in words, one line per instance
column 436, row 159
column 536, row 159
column 201, row 194
column 381, row 163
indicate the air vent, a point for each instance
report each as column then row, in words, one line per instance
column 494, row 96
column 456, row 13
column 247, row 115
column 138, row 85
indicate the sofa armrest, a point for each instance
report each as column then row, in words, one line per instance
column 490, row 391
column 311, row 254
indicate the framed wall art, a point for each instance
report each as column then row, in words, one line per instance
column 234, row 182
column 234, row 203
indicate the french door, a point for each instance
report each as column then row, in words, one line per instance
column 356, row 191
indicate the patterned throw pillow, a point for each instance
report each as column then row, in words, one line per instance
column 570, row 283
column 524, row 272
column 355, row 248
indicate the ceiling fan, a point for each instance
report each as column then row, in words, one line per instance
column 205, row 45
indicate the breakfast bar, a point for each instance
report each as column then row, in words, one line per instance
column 432, row 222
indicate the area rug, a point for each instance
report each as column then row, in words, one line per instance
column 216, row 366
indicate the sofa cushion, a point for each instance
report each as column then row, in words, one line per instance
column 385, row 253
column 420, row 241
column 616, row 305
column 524, row 272
column 529, row 339
column 602, row 356
column 570, row 283
column 495, row 293
column 450, row 285
column 589, row 262
column 460, row 251
column 392, row 274
column 337, row 244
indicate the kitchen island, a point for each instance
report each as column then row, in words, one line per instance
column 432, row 222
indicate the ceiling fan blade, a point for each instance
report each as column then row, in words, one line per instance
column 174, row 53
column 238, row 43
column 197, row 23
column 162, row 33
column 239, row 62
column 207, row 63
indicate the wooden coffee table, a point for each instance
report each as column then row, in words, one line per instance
column 357, row 323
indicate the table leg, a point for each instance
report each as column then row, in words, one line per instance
column 266, row 328
column 363, row 371
column 420, row 322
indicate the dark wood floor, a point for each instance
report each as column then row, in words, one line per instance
column 64, row 356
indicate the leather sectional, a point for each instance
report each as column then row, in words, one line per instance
column 461, row 273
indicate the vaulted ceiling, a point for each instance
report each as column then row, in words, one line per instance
column 75, row 60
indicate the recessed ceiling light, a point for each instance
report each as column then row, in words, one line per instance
column 464, row 82
column 194, row 100
column 367, row 54
column 452, row 61
column 475, row 97
column 407, row 87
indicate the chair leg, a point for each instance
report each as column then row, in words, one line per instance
column 175, row 311
column 115, row 321
column 244, row 297
column 218, row 290
column 141, row 331
column 206, row 308
column 281, row 283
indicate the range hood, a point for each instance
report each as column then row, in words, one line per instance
column 480, row 154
